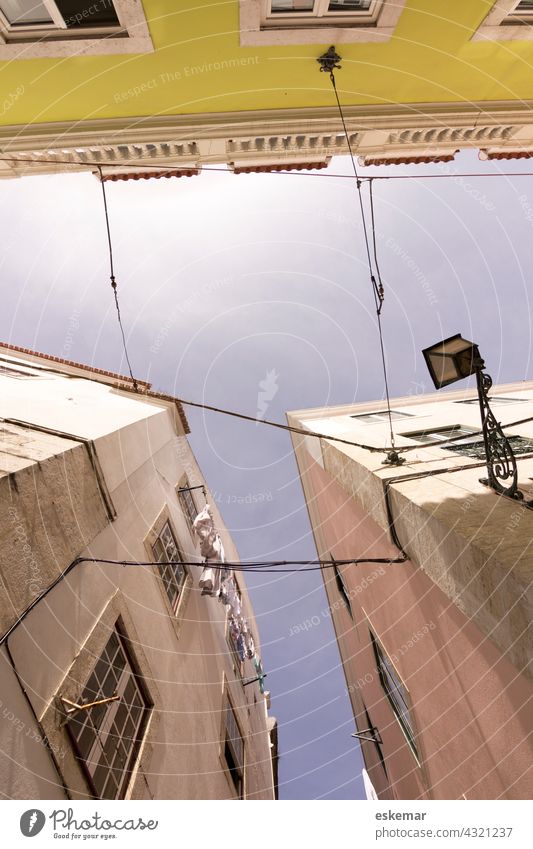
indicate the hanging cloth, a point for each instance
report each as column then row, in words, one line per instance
column 249, row 646
column 240, row 646
column 212, row 549
column 203, row 525
column 209, row 581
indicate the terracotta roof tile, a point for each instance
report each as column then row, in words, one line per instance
column 407, row 160
column 62, row 361
column 511, row 154
column 287, row 166
column 148, row 175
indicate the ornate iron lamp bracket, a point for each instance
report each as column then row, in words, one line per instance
column 501, row 461
column 329, row 60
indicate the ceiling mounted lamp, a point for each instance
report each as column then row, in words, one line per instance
column 454, row 359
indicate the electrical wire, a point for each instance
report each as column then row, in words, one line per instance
column 235, row 567
column 377, row 287
column 114, row 282
column 315, row 434
column 265, row 566
column 290, row 428
column 378, row 313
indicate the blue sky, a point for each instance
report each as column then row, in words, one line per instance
column 223, row 279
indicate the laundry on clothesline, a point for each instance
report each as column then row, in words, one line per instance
column 221, row 584
column 212, row 549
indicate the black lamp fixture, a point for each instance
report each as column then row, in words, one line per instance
column 454, row 359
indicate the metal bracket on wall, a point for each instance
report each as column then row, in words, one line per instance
column 393, row 459
column 190, row 489
column 374, row 735
column 253, row 680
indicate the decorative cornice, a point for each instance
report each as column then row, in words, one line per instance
column 283, row 138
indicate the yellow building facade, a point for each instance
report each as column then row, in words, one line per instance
column 125, row 84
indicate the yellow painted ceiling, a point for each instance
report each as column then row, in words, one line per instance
column 429, row 59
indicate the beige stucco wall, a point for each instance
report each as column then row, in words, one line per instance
column 184, row 660
column 51, row 507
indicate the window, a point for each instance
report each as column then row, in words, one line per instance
column 234, row 748
column 395, row 692
column 520, row 12
column 476, row 449
column 107, row 737
column 26, row 15
column 380, row 416
column 341, row 586
column 173, row 577
column 495, row 400
column 232, row 638
column 7, row 371
column 470, row 445
column 187, row 504
column 266, row 22
column 31, row 27
column 318, row 12
column 507, row 20
column 441, row 434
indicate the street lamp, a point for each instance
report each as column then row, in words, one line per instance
column 454, row 359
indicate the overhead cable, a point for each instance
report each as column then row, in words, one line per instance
column 265, row 566
column 328, row 62
column 317, row 435
column 290, row 428
column 114, row 282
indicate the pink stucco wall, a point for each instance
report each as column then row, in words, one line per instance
column 471, row 708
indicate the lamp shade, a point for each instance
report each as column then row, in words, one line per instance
column 452, row 359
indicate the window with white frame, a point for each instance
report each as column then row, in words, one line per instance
column 441, row 434
column 7, row 371
column 317, row 21
column 107, row 737
column 319, row 12
column 380, row 416
column 173, row 575
column 24, row 17
column 233, row 748
column 507, row 20
column 495, row 399
column 395, row 691
column 31, row 27
column 468, row 440
column 523, row 12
